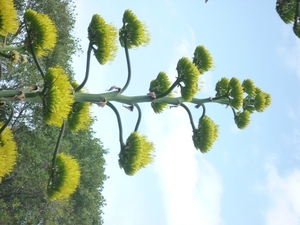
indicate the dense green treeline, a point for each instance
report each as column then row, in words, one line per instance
column 23, row 198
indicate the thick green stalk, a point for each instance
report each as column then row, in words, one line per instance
column 128, row 66
column 87, row 70
column 4, row 48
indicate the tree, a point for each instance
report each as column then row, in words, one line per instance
column 288, row 10
column 66, row 106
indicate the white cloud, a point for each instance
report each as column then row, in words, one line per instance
column 291, row 54
column 284, row 195
column 191, row 186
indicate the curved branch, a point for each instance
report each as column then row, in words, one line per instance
column 190, row 115
column 87, row 71
column 33, row 53
column 128, row 66
column 169, row 90
column 139, row 118
column 61, row 133
column 119, row 123
column 10, row 117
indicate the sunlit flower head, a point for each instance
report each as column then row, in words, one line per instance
column 66, row 177
column 58, row 97
column 188, row 74
column 133, row 31
column 242, row 119
column 104, row 37
column 160, row 85
column 222, row 86
column 202, row 59
column 42, row 32
column 8, row 152
column 205, row 135
column 136, row 154
column 8, row 18
column 80, row 116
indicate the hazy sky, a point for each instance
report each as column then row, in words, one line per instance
column 250, row 176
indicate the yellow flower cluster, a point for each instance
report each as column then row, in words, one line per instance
column 66, row 177
column 58, row 97
column 189, row 75
column 205, row 135
column 42, row 32
column 8, row 152
column 104, row 36
column 202, row 59
column 136, row 154
column 8, row 18
column 133, row 31
column 80, row 116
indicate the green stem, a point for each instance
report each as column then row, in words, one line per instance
column 87, row 71
column 10, row 48
column 128, row 66
column 33, row 53
column 166, row 93
column 139, row 118
column 9, row 119
column 61, row 133
column 119, row 123
column 296, row 14
column 190, row 115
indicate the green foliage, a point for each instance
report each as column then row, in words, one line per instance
column 8, row 152
column 158, row 86
column 8, row 18
column 133, row 31
column 286, row 9
column 202, row 59
column 58, row 96
column 66, row 177
column 188, row 74
column 136, row 154
column 42, row 32
column 104, row 36
column 205, row 135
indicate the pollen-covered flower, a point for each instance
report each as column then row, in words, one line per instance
column 8, row 18
column 58, row 97
column 242, row 119
column 134, row 31
column 205, row 135
column 159, row 85
column 8, row 152
column 42, row 32
column 80, row 116
column 14, row 56
column 236, row 93
column 66, row 177
column 104, row 36
column 202, row 59
column 188, row 74
column 136, row 154
column 222, row 86
column 249, row 87
column 261, row 101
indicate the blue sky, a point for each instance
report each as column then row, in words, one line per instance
column 250, row 176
